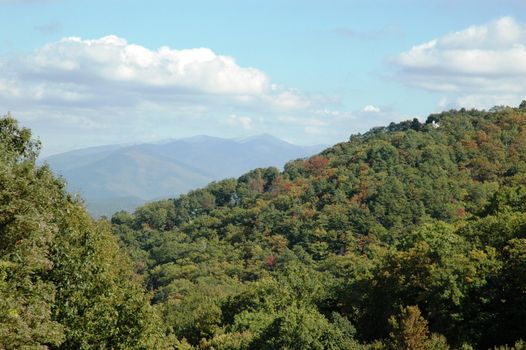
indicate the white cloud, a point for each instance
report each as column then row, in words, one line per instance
column 112, row 60
column 472, row 64
column 122, row 90
column 243, row 121
column 111, row 71
column 312, row 130
column 371, row 109
column 303, row 121
column 290, row 100
column 75, row 93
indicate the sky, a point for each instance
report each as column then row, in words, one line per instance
column 85, row 73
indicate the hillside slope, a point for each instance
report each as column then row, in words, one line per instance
column 64, row 281
column 121, row 177
column 408, row 234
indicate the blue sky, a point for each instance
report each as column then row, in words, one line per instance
column 85, row 73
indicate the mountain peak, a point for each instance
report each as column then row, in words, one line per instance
column 200, row 139
column 265, row 137
column 169, row 168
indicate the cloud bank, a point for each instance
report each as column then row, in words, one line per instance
column 82, row 92
column 83, row 70
column 478, row 66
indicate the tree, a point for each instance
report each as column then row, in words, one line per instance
column 27, row 199
column 302, row 328
column 330, row 248
column 410, row 332
column 64, row 281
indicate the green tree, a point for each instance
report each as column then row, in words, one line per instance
column 28, row 196
column 298, row 328
column 410, row 332
column 64, row 281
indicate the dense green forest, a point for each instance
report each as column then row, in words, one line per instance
column 64, row 281
column 410, row 236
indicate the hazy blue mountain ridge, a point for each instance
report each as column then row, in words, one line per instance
column 118, row 177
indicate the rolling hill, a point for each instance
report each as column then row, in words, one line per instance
column 409, row 236
column 117, row 177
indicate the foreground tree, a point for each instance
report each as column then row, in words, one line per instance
column 410, row 331
column 27, row 228
column 64, row 281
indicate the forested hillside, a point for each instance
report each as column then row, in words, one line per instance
column 411, row 236
column 64, row 281
column 123, row 177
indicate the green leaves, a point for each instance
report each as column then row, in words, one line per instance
column 27, row 200
column 410, row 331
column 64, row 281
column 16, row 141
column 324, row 253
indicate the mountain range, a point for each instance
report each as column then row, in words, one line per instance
column 115, row 177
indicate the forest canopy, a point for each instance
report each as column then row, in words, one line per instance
column 64, row 281
column 409, row 236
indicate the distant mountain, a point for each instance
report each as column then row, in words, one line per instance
column 117, row 177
